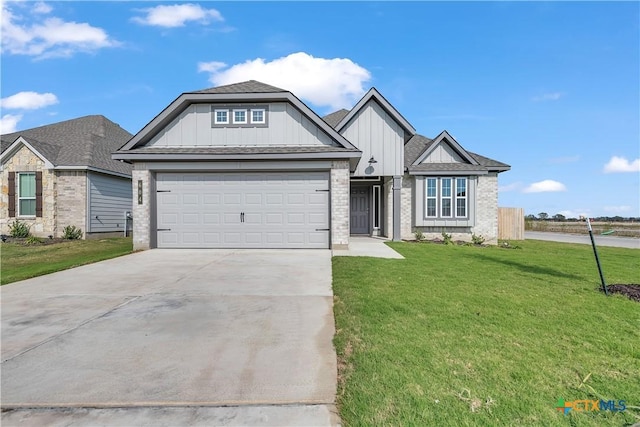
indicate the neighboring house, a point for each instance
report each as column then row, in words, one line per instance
column 249, row 165
column 62, row 174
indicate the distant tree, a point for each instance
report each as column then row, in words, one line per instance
column 530, row 217
column 559, row 217
column 543, row 215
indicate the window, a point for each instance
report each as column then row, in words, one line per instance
column 461, row 197
column 446, row 197
column 431, row 197
column 376, row 206
column 26, row 194
column 221, row 117
column 257, row 116
column 239, row 116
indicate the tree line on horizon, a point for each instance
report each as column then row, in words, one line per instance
column 543, row 216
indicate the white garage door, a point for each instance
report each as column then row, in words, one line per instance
column 243, row 210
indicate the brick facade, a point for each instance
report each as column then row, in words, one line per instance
column 141, row 211
column 340, row 192
column 406, row 207
column 71, row 199
column 487, row 208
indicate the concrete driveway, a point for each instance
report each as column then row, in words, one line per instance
column 166, row 337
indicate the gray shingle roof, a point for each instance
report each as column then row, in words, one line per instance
column 251, row 86
column 85, row 141
column 334, row 118
column 418, row 144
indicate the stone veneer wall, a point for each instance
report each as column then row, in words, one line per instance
column 340, row 215
column 71, row 194
column 24, row 160
column 141, row 212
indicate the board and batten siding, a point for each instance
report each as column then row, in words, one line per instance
column 443, row 153
column 376, row 134
column 286, row 126
column 109, row 198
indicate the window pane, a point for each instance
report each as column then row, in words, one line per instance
column 221, row 117
column 257, row 116
column 431, row 187
column 461, row 207
column 431, row 207
column 446, row 187
column 240, row 116
column 446, row 207
column 27, row 207
column 461, row 187
column 27, row 185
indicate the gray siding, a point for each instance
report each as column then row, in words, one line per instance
column 443, row 153
column 286, row 126
column 109, row 198
column 376, row 134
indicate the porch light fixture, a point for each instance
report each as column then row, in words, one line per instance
column 372, row 160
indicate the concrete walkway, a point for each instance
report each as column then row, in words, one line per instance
column 173, row 337
column 368, row 246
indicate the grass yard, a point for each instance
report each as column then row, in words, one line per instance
column 19, row 262
column 467, row 336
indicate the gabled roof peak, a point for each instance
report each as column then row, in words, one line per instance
column 249, row 86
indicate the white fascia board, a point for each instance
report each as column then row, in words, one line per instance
column 10, row 151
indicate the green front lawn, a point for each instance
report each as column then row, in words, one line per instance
column 466, row 336
column 19, row 262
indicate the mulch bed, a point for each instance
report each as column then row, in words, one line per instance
column 631, row 291
column 45, row 241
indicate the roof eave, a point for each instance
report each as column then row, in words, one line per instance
column 448, row 172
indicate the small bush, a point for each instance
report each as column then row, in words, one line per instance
column 477, row 239
column 71, row 232
column 447, row 238
column 419, row 235
column 33, row 240
column 19, row 229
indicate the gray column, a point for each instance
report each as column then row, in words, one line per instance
column 397, row 188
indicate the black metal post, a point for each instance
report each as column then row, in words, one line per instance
column 595, row 252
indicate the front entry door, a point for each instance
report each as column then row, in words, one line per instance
column 360, row 204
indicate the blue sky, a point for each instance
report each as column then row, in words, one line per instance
column 551, row 88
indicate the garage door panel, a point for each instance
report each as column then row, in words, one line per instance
column 281, row 210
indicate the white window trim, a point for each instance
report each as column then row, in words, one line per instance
column 239, row 122
column 20, row 198
column 264, row 116
column 215, row 116
column 441, row 197
column 465, row 198
column 427, row 197
column 454, row 198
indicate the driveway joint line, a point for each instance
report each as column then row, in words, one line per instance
column 91, row 319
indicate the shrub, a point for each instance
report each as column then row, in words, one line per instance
column 447, row 238
column 71, row 232
column 477, row 239
column 33, row 240
column 19, row 229
column 419, row 235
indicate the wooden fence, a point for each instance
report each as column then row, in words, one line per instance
column 511, row 223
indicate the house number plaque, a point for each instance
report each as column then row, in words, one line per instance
column 139, row 191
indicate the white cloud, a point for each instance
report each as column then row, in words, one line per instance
column 621, row 164
column 177, row 15
column 575, row 213
column 335, row 82
column 552, row 96
column 546, row 186
column 42, row 7
column 32, row 35
column 28, row 101
column 8, row 123
column 617, row 209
